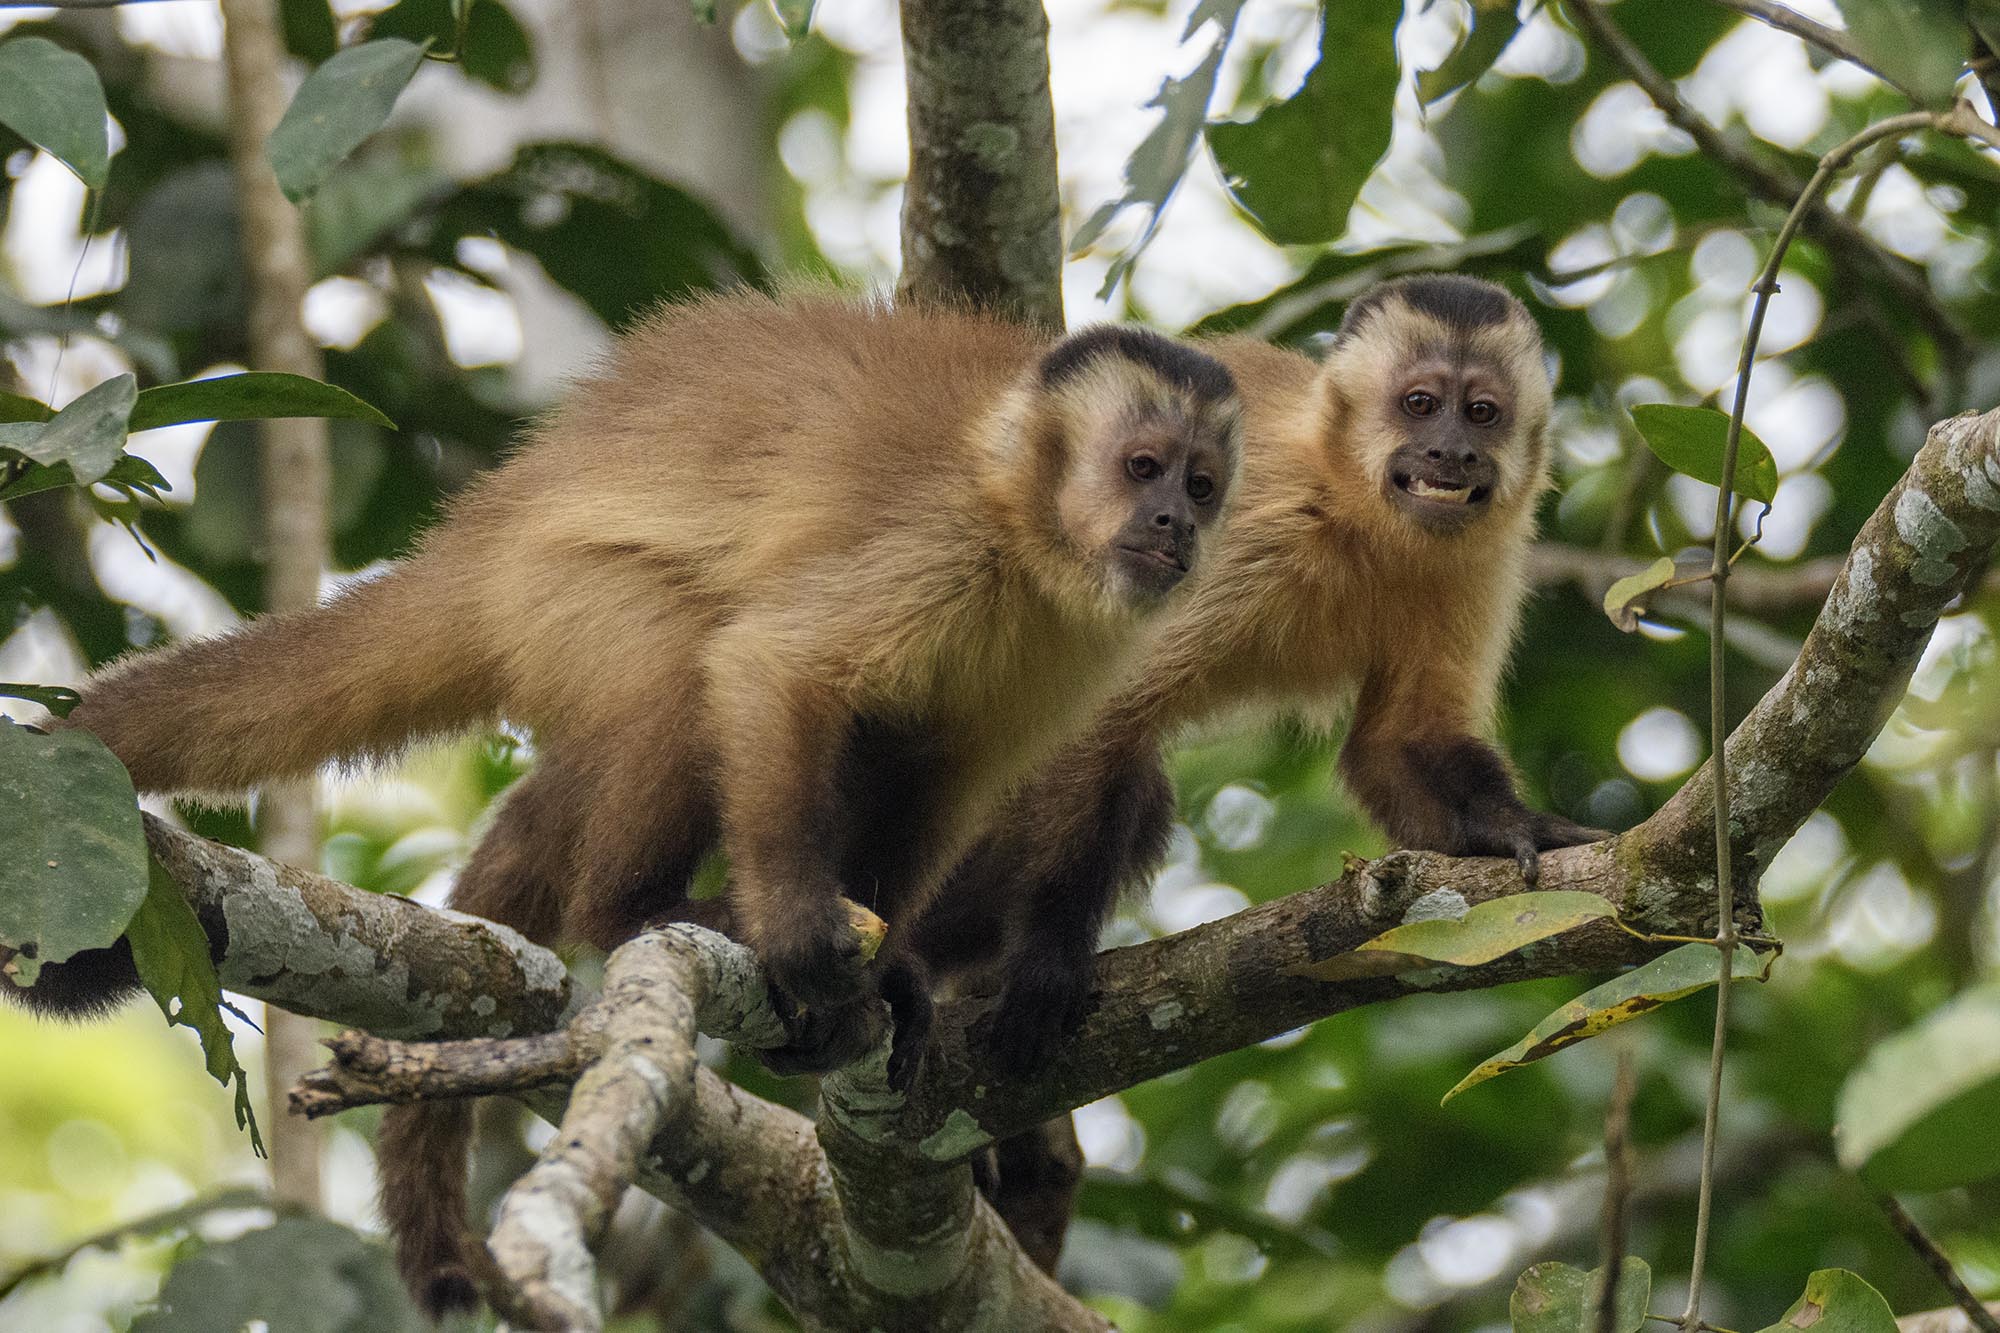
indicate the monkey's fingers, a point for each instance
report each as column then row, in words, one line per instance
column 1046, row 999
column 1528, row 856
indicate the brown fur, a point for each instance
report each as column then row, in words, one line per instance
column 813, row 578
column 1331, row 598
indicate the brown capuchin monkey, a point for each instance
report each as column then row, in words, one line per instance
column 809, row 579
column 1373, row 569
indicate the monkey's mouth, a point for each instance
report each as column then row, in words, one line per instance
column 1158, row 555
column 1151, row 571
column 1444, row 491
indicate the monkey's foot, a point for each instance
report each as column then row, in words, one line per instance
column 824, row 1038
column 1047, row 997
column 817, row 956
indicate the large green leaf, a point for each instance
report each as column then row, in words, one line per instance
column 569, row 205
column 1690, row 440
column 1555, row 1298
column 1669, row 977
column 88, row 436
column 1487, row 931
column 1155, row 169
column 338, row 106
column 1920, row 1112
column 53, row 99
column 252, row 396
column 1298, row 166
column 1919, row 44
column 170, row 950
column 1837, row 1301
column 301, row 1275
column 72, row 854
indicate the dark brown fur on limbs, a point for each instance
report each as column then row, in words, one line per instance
column 809, row 578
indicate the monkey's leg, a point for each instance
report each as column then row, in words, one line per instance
column 1442, row 789
column 1031, row 1180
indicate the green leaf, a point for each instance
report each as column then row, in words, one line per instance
column 1155, row 169
column 1297, row 168
column 1555, row 1298
column 14, row 407
column 338, row 106
column 302, row 1274
column 253, row 396
column 1494, row 25
column 1487, row 931
column 132, row 475
column 72, row 852
column 1690, row 440
column 497, row 50
column 311, row 32
column 170, row 950
column 1669, row 977
column 53, row 99
column 1626, row 600
column 1920, row 45
column 1837, row 1301
column 1919, row 1112
column 794, row 16
column 58, row 699
column 88, row 435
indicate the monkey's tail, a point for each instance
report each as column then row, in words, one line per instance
column 386, row 661
column 421, row 1150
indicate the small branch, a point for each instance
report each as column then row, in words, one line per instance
column 1977, row 1315
column 981, row 215
column 1617, row 1194
column 642, row 1084
column 1830, row 40
column 369, row 1071
column 1844, row 240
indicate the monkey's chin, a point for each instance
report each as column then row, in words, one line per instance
column 1143, row 578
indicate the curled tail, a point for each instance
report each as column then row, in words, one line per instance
column 421, row 1149
column 387, row 660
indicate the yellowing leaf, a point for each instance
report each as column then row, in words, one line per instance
column 1669, row 977
column 1626, row 600
column 1491, row 930
column 1837, row 1301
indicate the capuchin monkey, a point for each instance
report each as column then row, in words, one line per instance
column 1373, row 569
column 808, row 579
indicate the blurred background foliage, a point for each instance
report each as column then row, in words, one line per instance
column 592, row 158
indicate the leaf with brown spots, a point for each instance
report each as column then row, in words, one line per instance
column 1837, row 1301
column 1669, row 977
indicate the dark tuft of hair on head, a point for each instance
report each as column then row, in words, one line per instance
column 1457, row 301
column 1179, row 365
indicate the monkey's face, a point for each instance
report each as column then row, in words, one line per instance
column 1145, row 493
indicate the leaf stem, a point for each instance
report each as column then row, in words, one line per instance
column 1726, row 936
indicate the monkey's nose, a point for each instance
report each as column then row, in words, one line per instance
column 1163, row 520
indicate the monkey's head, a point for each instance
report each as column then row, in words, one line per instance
column 1443, row 383
column 1139, row 438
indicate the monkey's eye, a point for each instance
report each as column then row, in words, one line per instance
column 1200, row 489
column 1143, row 467
column 1482, row 413
column 1420, row 404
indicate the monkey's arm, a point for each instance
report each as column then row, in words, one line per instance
column 1424, row 774
column 779, row 728
column 1093, row 823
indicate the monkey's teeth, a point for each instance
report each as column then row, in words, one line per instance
column 1422, row 488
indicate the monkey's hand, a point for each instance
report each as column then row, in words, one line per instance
column 1047, row 995
column 823, row 1038
column 1525, row 834
column 818, row 953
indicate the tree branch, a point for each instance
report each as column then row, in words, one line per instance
column 874, row 1220
column 981, row 219
column 1832, row 41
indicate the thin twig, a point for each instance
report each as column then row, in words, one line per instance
column 1940, row 1264
column 1830, row 40
column 1617, row 1193
column 1765, row 288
